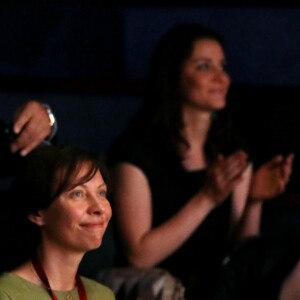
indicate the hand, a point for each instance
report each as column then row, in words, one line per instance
column 224, row 174
column 31, row 125
column 271, row 178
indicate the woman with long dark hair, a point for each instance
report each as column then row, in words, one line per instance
column 183, row 184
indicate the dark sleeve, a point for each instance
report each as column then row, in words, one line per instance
column 257, row 269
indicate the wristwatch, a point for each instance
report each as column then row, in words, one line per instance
column 52, row 122
column 51, row 116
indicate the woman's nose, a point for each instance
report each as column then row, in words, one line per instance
column 221, row 75
column 97, row 206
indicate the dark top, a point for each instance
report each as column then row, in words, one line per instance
column 198, row 260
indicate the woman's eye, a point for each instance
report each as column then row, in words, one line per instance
column 204, row 67
column 103, row 193
column 208, row 67
column 77, row 194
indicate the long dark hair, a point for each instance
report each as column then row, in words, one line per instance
column 163, row 100
column 43, row 175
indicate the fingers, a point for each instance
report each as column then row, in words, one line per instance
column 285, row 171
column 287, row 167
column 31, row 124
column 280, row 160
column 271, row 178
column 224, row 174
column 233, row 166
column 288, row 162
column 27, row 140
column 290, row 158
column 283, row 166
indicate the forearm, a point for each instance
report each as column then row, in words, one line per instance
column 250, row 222
column 160, row 242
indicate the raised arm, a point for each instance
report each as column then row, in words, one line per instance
column 146, row 246
column 267, row 182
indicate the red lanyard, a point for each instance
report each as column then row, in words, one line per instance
column 41, row 273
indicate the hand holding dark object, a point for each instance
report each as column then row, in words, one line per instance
column 33, row 124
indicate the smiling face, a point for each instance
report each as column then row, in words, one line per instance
column 204, row 81
column 78, row 217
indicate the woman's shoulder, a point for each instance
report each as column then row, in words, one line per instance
column 9, row 280
column 15, row 287
column 97, row 290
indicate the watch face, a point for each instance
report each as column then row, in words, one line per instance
column 51, row 116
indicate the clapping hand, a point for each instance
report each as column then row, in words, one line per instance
column 224, row 174
column 271, row 178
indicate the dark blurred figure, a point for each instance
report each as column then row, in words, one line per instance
column 33, row 123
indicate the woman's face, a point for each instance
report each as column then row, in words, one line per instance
column 77, row 219
column 204, row 81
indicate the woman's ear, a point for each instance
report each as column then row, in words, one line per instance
column 36, row 218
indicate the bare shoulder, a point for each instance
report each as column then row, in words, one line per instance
column 290, row 288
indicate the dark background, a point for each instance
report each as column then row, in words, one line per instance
column 88, row 60
column 82, row 40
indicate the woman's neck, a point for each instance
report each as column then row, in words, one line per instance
column 196, row 125
column 60, row 270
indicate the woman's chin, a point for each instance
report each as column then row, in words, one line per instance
column 220, row 105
